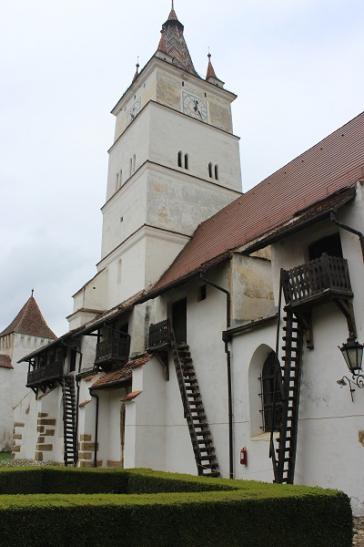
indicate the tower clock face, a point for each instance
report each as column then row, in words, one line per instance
column 194, row 106
column 134, row 108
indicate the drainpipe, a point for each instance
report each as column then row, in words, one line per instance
column 93, row 394
column 228, row 367
column 349, row 229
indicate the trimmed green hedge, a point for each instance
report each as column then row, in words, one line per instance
column 178, row 510
column 62, row 480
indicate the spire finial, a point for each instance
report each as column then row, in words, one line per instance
column 32, row 293
column 172, row 4
column 136, row 70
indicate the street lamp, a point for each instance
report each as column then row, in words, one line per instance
column 352, row 352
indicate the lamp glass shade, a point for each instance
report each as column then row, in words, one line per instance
column 353, row 354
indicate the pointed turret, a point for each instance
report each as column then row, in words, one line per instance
column 136, row 71
column 211, row 74
column 172, row 46
column 30, row 321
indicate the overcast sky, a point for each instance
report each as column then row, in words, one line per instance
column 297, row 66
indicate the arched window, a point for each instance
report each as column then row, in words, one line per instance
column 210, row 170
column 186, row 161
column 179, row 161
column 271, row 394
column 216, row 172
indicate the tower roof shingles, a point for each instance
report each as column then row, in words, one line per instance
column 30, row 321
column 173, row 43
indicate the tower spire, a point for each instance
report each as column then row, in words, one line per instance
column 172, row 15
column 173, row 44
column 211, row 74
column 210, row 69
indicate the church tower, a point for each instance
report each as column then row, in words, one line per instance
column 174, row 162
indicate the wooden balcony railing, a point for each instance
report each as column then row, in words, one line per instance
column 113, row 349
column 160, row 335
column 45, row 374
column 325, row 276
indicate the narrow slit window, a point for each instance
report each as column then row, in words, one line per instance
column 210, row 170
column 134, row 163
column 216, row 172
column 131, row 167
column 117, row 181
column 179, row 160
column 121, row 177
column 202, row 293
column 186, row 161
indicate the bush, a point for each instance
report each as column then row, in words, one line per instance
column 187, row 511
column 62, row 480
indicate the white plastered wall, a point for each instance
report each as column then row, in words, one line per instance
column 330, row 425
column 13, row 384
column 174, row 132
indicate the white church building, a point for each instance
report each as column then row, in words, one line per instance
column 207, row 342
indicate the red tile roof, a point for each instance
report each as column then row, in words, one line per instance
column 30, row 321
column 5, row 362
column 334, row 163
column 117, row 377
column 210, row 70
column 131, row 396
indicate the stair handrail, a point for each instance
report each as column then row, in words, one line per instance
column 272, row 454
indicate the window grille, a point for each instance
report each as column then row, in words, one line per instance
column 269, row 387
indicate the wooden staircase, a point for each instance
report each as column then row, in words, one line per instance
column 198, row 426
column 283, row 449
column 70, row 420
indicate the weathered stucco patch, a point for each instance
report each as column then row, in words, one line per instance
column 361, row 437
column 168, row 93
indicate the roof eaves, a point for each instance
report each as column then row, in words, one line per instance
column 154, row 292
column 248, row 326
column 60, row 340
column 301, row 220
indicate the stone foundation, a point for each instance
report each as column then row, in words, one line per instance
column 17, row 437
column 86, row 451
column 45, row 437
